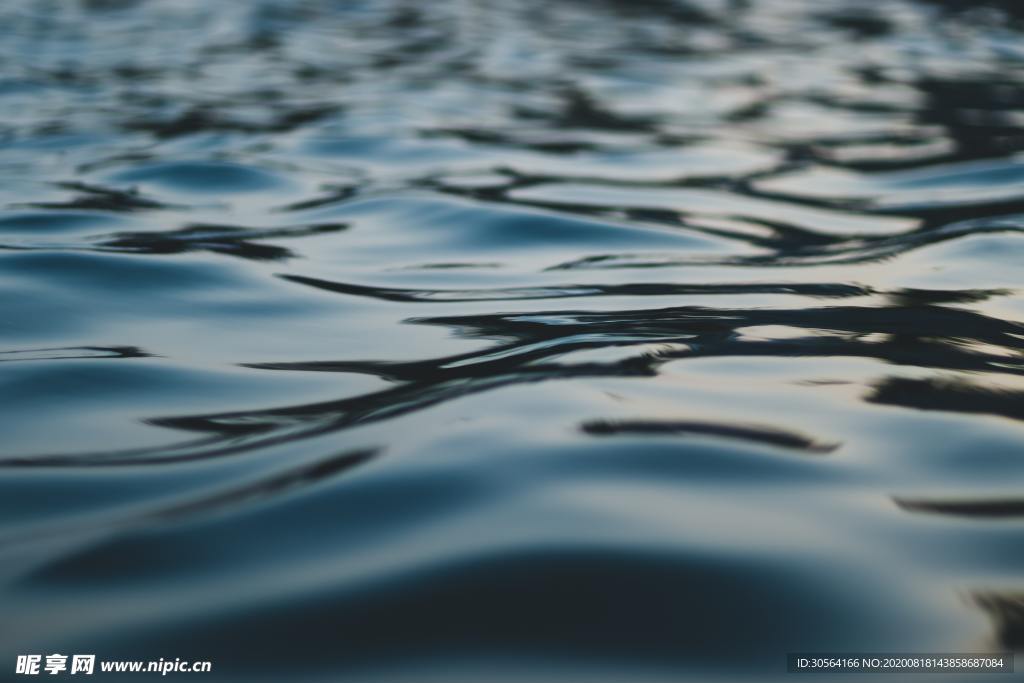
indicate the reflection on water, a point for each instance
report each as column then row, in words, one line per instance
column 510, row 341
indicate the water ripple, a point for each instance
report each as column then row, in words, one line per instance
column 531, row 341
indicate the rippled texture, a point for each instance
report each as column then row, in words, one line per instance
column 511, row 341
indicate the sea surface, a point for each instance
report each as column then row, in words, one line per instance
column 537, row 341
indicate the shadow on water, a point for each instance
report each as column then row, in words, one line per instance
column 533, row 346
column 1007, row 613
column 955, row 395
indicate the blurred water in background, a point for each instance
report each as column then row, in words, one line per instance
column 510, row 341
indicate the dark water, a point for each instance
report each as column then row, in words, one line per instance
column 510, row 341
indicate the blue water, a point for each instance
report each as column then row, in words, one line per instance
column 482, row 341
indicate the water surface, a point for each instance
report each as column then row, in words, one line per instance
column 486, row 341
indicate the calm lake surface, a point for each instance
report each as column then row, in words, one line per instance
column 537, row 341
